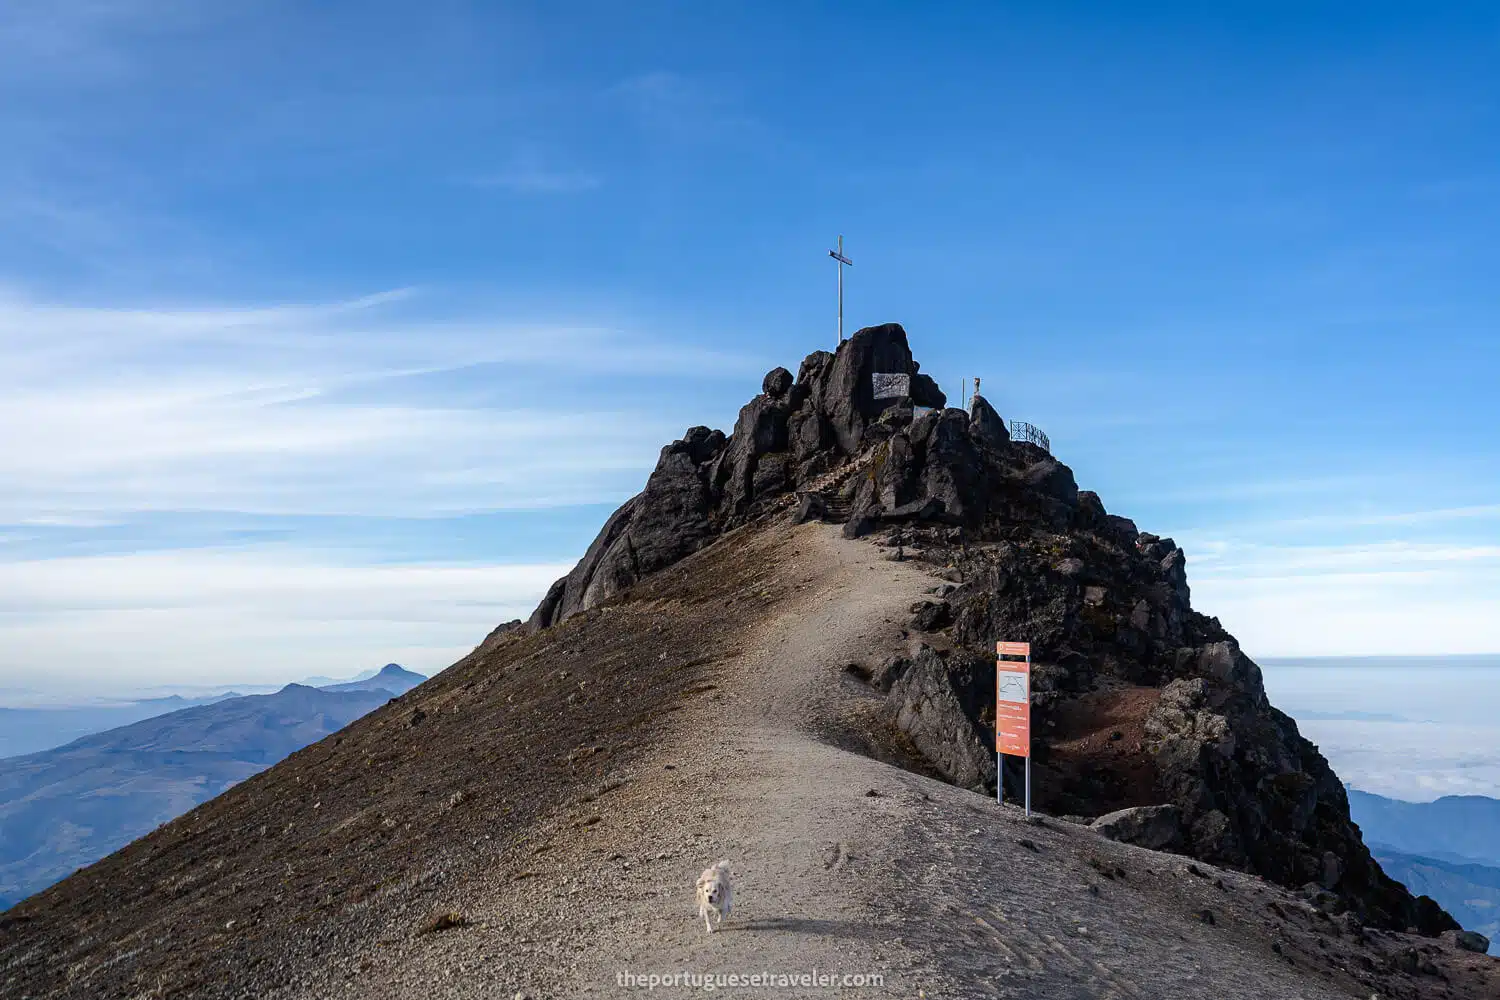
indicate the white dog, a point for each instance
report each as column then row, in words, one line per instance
column 716, row 893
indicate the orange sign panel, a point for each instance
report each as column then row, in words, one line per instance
column 1013, row 699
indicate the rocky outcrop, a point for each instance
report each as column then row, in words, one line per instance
column 671, row 518
column 1468, row 941
column 1158, row 828
column 932, row 703
column 986, row 425
column 793, row 432
column 1106, row 608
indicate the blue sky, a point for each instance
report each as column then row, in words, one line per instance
column 332, row 332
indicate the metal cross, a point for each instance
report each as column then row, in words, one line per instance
column 838, row 255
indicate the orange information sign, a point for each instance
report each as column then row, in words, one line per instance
column 1013, row 698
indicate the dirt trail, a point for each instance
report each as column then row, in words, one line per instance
column 844, row 866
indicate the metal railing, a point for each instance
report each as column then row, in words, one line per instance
column 1020, row 430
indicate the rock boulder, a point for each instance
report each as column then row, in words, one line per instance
column 1158, row 828
column 934, row 705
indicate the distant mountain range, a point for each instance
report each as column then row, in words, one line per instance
column 27, row 730
column 1462, row 829
column 1470, row 892
column 66, row 807
column 31, row 728
column 390, row 678
column 1448, row 849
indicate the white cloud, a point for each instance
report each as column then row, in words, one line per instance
column 250, row 409
column 1243, row 561
column 290, row 409
column 1366, row 598
column 1418, row 762
column 109, row 625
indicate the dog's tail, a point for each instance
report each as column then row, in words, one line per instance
column 723, row 865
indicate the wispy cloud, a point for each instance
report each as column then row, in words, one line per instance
column 1389, row 598
column 110, row 624
column 253, row 409
column 1348, row 520
column 1413, row 761
column 1241, row 561
column 529, row 172
column 342, row 407
column 85, row 40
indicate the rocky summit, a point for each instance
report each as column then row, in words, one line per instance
column 1137, row 699
column 782, row 653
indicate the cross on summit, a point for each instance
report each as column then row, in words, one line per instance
column 838, row 255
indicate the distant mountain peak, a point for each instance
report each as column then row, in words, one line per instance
column 392, row 677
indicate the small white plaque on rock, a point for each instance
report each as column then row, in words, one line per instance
column 891, row 386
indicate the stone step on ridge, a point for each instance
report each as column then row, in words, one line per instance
column 829, row 488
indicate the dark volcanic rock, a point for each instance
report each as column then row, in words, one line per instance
column 1468, row 941
column 889, row 671
column 1105, row 607
column 669, row 519
column 705, row 483
column 925, row 392
column 777, row 383
column 1158, row 828
column 929, row 616
column 846, row 396
column 934, row 705
column 986, row 425
column 810, row 507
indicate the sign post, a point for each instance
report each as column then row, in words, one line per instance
column 1012, row 712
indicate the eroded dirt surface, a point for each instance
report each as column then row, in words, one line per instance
column 1096, row 750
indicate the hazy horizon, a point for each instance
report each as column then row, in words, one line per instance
column 1410, row 728
column 1380, row 733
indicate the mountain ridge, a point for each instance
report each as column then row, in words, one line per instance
column 67, row 806
column 1463, row 829
column 725, row 675
column 1032, row 557
column 1471, row 892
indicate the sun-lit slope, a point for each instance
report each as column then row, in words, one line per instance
column 365, row 826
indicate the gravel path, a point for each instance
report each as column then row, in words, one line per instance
column 844, row 866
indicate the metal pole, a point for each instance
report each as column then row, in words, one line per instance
column 1028, row 786
column 999, row 775
column 1028, row 703
column 841, row 290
